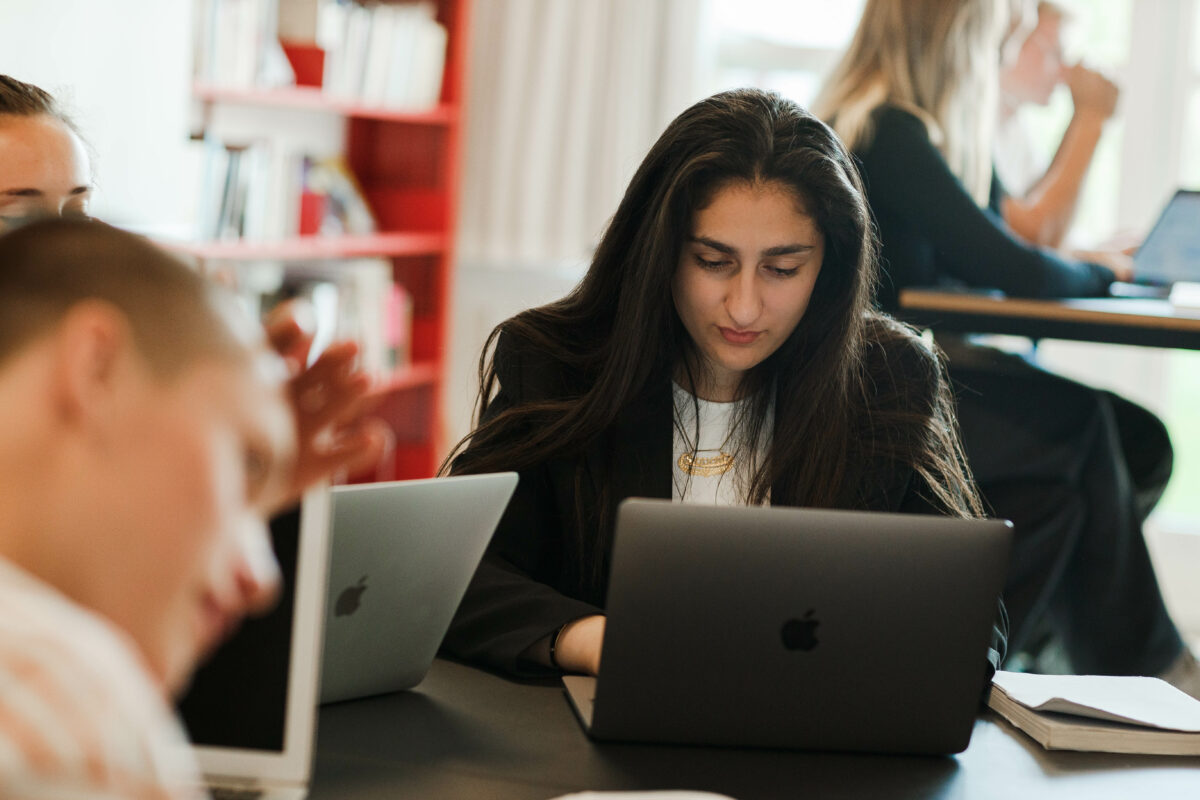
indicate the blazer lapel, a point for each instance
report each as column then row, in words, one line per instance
column 640, row 448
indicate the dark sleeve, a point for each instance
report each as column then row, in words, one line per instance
column 910, row 183
column 505, row 609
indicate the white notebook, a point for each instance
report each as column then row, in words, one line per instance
column 1116, row 714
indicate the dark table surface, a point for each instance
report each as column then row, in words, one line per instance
column 465, row 733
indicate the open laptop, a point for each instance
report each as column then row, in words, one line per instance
column 251, row 710
column 795, row 628
column 1171, row 252
column 403, row 554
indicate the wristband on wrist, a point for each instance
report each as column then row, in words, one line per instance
column 554, row 647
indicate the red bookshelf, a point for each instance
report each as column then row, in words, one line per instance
column 407, row 164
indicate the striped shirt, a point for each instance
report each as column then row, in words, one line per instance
column 80, row 715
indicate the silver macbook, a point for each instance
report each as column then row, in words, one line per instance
column 251, row 710
column 795, row 628
column 403, row 554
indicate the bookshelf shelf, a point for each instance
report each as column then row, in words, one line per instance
column 301, row 248
column 411, row 377
column 309, row 98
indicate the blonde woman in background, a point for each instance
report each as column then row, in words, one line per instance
column 1077, row 469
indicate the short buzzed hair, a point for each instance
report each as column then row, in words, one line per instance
column 50, row 266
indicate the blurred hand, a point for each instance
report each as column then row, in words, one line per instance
column 579, row 645
column 1120, row 263
column 329, row 401
column 1091, row 92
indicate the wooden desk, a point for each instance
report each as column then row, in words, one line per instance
column 464, row 733
column 1137, row 321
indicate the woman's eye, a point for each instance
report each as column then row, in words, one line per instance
column 781, row 272
column 711, row 264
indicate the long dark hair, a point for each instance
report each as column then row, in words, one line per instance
column 842, row 402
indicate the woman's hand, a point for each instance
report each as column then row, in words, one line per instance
column 579, row 644
column 1120, row 263
column 1091, row 92
column 329, row 401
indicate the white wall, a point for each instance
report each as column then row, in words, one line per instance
column 122, row 68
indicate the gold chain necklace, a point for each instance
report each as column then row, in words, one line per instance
column 692, row 463
column 706, row 466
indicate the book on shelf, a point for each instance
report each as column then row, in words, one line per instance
column 335, row 300
column 1102, row 713
column 264, row 190
column 237, row 44
column 386, row 55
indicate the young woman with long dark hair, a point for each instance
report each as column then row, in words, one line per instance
column 722, row 347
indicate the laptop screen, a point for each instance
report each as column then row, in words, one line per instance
column 1171, row 251
column 239, row 698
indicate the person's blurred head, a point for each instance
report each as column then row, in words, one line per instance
column 145, row 438
column 45, row 168
column 937, row 59
column 1037, row 67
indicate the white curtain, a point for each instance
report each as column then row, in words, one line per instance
column 564, row 99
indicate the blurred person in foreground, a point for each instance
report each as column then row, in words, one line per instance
column 147, row 435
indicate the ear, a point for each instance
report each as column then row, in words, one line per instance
column 94, row 344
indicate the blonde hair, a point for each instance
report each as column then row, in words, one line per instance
column 937, row 59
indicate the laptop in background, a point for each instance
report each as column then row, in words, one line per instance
column 795, row 628
column 403, row 555
column 251, row 710
column 1171, row 251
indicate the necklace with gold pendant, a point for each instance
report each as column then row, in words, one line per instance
column 705, row 466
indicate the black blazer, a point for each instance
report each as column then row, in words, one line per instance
column 528, row 584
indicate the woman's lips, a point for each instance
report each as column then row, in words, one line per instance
column 739, row 337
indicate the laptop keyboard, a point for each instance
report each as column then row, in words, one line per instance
column 228, row 793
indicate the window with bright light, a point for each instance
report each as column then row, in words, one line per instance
column 787, row 46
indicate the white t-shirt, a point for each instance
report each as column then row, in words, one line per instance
column 80, row 715
column 716, row 469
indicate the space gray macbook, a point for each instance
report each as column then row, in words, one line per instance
column 795, row 628
column 403, row 553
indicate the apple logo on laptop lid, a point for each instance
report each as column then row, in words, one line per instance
column 801, row 634
column 350, row 598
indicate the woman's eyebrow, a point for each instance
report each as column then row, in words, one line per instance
column 720, row 247
column 39, row 193
column 778, row 250
column 788, row 249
